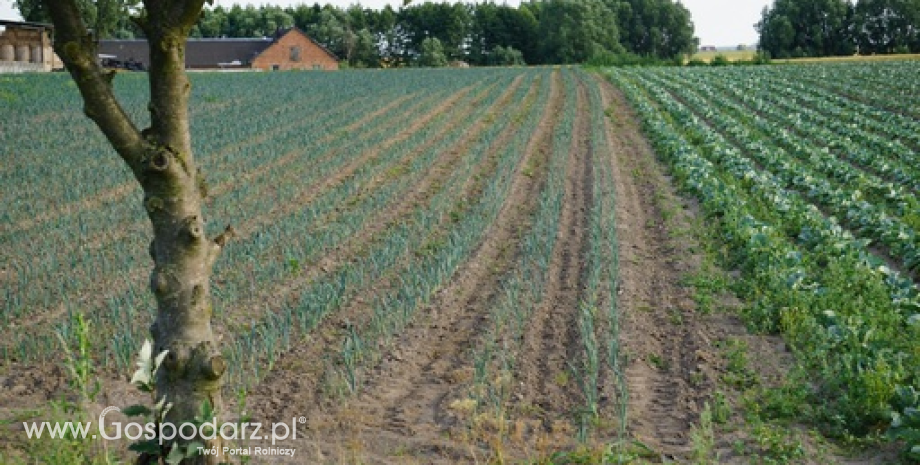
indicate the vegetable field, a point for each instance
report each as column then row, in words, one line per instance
column 365, row 204
column 809, row 174
column 494, row 265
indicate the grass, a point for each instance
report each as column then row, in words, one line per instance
column 851, row 58
column 730, row 55
column 747, row 55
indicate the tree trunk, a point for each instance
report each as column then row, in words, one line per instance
column 161, row 159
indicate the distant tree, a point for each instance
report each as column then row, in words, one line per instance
column 543, row 31
column 655, row 28
column 887, row 26
column 449, row 23
column 106, row 18
column 161, row 160
column 502, row 26
column 814, row 28
column 432, row 54
column 331, row 30
column 574, row 31
column 506, row 56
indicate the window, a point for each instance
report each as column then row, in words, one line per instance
column 276, row 67
column 295, row 53
column 317, row 66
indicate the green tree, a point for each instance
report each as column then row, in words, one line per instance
column 106, row 18
column 807, row 28
column 449, row 23
column 502, row 26
column 887, row 26
column 432, row 54
column 161, row 159
column 655, row 28
column 572, row 31
column 506, row 56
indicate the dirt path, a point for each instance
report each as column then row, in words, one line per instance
column 552, row 338
column 665, row 340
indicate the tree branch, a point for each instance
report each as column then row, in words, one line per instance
column 190, row 11
column 76, row 48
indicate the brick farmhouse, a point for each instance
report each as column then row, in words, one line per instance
column 26, row 46
column 289, row 49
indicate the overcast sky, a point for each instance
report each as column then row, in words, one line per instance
column 718, row 22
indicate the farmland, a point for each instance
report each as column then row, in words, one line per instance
column 809, row 176
column 451, row 265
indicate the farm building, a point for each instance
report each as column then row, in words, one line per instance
column 26, row 46
column 288, row 49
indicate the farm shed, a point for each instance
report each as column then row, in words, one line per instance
column 288, row 49
column 26, row 46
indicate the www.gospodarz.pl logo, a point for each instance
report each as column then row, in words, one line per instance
column 163, row 431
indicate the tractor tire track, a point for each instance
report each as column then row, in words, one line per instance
column 659, row 329
column 552, row 342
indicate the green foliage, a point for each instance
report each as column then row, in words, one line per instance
column 608, row 58
column 778, row 444
column 550, row 32
column 719, row 60
column 703, row 438
column 77, row 346
column 905, row 421
column 432, row 54
column 797, row 28
column 107, row 19
column 506, row 56
column 887, row 26
column 79, row 359
column 155, row 449
column 574, row 31
column 794, row 28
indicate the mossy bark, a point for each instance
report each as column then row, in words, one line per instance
column 161, row 159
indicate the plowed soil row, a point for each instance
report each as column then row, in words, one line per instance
column 552, row 338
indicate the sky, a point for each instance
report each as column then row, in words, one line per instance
column 717, row 22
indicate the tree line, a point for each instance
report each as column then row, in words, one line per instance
column 433, row 34
column 814, row 28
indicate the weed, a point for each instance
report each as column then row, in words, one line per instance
column 658, row 362
column 778, row 444
column 703, row 438
column 738, row 372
